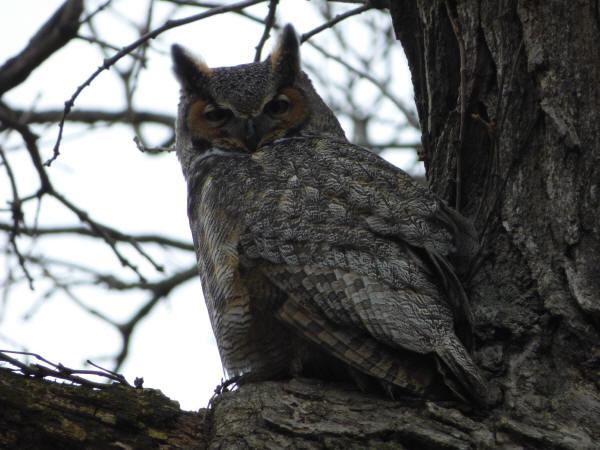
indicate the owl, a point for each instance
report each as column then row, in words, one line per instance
column 317, row 257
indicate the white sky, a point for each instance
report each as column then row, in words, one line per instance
column 173, row 349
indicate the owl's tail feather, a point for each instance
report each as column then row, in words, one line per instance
column 456, row 358
column 359, row 351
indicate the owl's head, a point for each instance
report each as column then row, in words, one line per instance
column 246, row 107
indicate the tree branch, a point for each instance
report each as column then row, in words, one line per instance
column 59, row 371
column 332, row 22
column 269, row 21
column 54, row 34
column 92, row 116
column 410, row 117
column 111, row 232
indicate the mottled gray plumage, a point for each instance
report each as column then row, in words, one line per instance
column 316, row 256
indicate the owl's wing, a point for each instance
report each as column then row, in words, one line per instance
column 365, row 323
column 356, row 349
column 321, row 190
column 408, row 213
column 355, row 239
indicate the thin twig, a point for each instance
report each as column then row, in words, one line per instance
column 46, row 188
column 30, row 140
column 59, row 371
column 113, row 233
column 151, row 150
column 160, row 290
column 96, row 11
column 221, row 388
column 332, row 22
column 131, row 76
column 110, row 373
column 17, row 217
column 11, row 178
column 412, row 120
column 99, row 230
column 102, row 44
column 66, row 289
column 91, row 116
column 269, row 21
column 193, row 3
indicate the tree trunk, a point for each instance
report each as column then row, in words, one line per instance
column 510, row 93
column 529, row 103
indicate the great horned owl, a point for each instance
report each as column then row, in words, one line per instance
column 317, row 257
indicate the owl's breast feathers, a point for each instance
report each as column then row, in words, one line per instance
column 338, row 245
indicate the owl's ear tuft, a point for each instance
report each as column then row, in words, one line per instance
column 285, row 58
column 191, row 71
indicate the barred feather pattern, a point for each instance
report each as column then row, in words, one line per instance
column 316, row 238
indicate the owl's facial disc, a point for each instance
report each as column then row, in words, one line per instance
column 224, row 128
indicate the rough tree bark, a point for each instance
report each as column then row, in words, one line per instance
column 530, row 180
column 513, row 87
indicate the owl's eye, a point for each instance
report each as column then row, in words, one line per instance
column 216, row 114
column 278, row 106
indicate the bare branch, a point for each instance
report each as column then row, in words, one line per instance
column 102, row 231
column 151, row 150
column 46, row 188
column 17, row 216
column 269, row 21
column 30, row 140
column 111, row 232
column 161, row 290
column 16, row 202
column 103, row 44
column 59, row 371
column 414, row 122
column 193, row 3
column 92, row 116
column 332, row 22
column 96, row 11
column 54, row 34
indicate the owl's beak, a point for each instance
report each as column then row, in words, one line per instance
column 251, row 137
